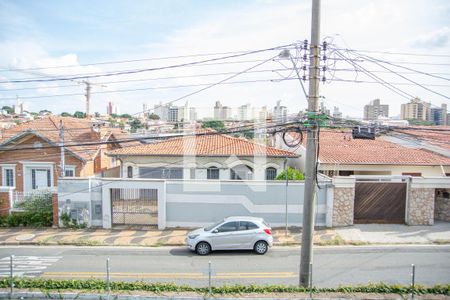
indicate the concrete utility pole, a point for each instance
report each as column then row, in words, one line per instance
column 63, row 157
column 88, row 98
column 311, row 148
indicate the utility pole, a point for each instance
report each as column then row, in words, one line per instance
column 311, row 148
column 88, row 98
column 63, row 158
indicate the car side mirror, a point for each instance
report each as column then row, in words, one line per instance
column 215, row 230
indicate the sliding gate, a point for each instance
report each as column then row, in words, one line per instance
column 132, row 206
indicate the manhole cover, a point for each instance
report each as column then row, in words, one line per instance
column 25, row 237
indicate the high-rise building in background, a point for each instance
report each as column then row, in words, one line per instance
column 162, row 111
column 416, row 109
column 438, row 115
column 226, row 113
column 245, row 112
column 279, row 113
column 112, row 109
column 173, row 114
column 375, row 109
column 263, row 114
column 193, row 114
column 336, row 113
column 218, row 111
column 19, row 107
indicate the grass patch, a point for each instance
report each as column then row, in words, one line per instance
column 337, row 240
column 441, row 241
column 81, row 242
column 100, row 285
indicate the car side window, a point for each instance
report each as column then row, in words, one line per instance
column 227, row 227
column 244, row 225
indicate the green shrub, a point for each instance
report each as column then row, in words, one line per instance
column 100, row 285
column 37, row 211
column 68, row 222
column 293, row 174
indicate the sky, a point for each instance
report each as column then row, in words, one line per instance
column 49, row 39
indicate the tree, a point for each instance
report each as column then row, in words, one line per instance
column 217, row 125
column 135, row 124
column 153, row 117
column 420, row 122
column 45, row 112
column 65, row 114
column 97, row 115
column 293, row 174
column 8, row 109
column 126, row 116
column 79, row 114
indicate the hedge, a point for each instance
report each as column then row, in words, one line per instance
column 97, row 284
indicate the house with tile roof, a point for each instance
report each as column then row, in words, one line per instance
column 207, row 155
column 30, row 156
column 341, row 155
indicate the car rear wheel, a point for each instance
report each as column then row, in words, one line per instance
column 261, row 247
column 203, row 248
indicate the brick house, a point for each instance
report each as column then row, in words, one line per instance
column 36, row 162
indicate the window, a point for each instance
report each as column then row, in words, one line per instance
column 346, row 173
column 271, row 173
column 244, row 225
column 212, row 173
column 241, row 172
column 192, row 173
column 227, row 227
column 8, row 176
column 69, row 172
column 412, row 174
column 130, row 172
column 41, row 178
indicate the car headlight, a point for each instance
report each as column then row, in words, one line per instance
column 193, row 236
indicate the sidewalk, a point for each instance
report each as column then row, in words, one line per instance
column 354, row 235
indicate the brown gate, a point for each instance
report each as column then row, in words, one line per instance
column 380, row 202
column 134, row 206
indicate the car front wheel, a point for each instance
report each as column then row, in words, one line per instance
column 203, row 248
column 261, row 247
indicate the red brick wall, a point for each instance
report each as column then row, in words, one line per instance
column 4, row 203
column 37, row 155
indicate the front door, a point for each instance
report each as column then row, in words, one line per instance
column 40, row 178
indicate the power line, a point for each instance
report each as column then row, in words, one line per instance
column 395, row 53
column 406, row 78
column 146, row 69
column 146, row 79
column 148, row 88
column 119, row 141
column 127, row 61
column 382, row 81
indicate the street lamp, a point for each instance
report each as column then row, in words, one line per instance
column 286, row 54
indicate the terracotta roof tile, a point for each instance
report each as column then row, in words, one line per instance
column 76, row 131
column 204, row 145
column 340, row 148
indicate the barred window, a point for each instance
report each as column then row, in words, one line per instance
column 271, row 173
column 212, row 173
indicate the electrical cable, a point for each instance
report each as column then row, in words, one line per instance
column 127, row 61
column 146, row 69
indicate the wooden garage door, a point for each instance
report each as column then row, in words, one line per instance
column 380, row 202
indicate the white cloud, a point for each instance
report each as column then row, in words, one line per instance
column 435, row 39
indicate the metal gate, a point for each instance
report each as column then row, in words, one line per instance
column 380, row 202
column 134, row 206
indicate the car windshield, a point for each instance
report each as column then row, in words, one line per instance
column 209, row 228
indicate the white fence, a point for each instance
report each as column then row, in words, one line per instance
column 17, row 199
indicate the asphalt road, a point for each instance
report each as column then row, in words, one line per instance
column 332, row 265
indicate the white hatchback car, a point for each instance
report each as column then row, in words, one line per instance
column 232, row 233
